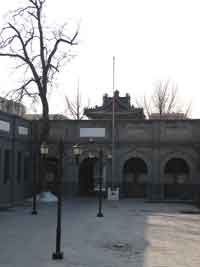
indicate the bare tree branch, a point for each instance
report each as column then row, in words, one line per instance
column 164, row 100
column 37, row 52
column 75, row 109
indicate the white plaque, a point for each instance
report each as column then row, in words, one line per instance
column 4, row 126
column 22, row 130
column 92, row 132
column 113, row 194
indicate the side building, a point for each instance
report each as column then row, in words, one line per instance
column 15, row 158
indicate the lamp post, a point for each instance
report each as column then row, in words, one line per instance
column 44, row 152
column 100, row 214
column 34, row 210
column 58, row 255
column 77, row 151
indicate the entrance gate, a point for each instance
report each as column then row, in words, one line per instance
column 176, row 182
column 134, row 178
column 87, row 173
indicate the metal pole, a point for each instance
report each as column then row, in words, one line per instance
column 36, row 157
column 113, row 126
column 58, row 255
column 159, row 149
column 13, row 159
column 34, row 211
column 100, row 214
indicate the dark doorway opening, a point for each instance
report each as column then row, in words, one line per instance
column 135, row 178
column 51, row 166
column 87, row 177
column 176, row 182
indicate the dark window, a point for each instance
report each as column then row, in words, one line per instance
column 26, row 167
column 0, row 165
column 19, row 165
column 7, row 166
column 66, row 132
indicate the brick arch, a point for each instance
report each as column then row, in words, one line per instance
column 85, row 154
column 173, row 188
column 135, row 154
column 130, row 185
column 189, row 159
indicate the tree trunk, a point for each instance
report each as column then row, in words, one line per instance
column 44, row 134
column 45, row 127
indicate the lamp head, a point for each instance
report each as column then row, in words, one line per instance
column 109, row 156
column 77, row 152
column 91, row 155
column 44, row 148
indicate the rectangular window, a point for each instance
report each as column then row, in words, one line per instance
column 22, row 130
column 0, row 165
column 7, row 165
column 19, row 161
column 4, row 126
column 66, row 132
column 26, row 167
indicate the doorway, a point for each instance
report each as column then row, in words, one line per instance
column 135, row 178
column 176, row 180
column 87, row 172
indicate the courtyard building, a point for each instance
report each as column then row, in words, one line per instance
column 156, row 159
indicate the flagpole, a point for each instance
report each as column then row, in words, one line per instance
column 113, row 126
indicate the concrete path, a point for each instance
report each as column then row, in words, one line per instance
column 132, row 233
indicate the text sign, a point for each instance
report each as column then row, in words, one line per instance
column 92, row 132
column 4, row 126
column 22, row 130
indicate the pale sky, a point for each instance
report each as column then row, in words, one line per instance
column 151, row 39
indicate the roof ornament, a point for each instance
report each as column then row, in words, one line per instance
column 116, row 93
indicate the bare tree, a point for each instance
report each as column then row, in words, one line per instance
column 164, row 100
column 38, row 51
column 75, row 108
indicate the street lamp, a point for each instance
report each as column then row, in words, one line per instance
column 43, row 152
column 77, row 151
column 100, row 214
column 35, row 172
column 58, row 255
column 44, row 149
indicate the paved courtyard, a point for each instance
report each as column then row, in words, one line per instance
column 132, row 233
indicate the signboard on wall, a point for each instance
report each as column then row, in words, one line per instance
column 4, row 126
column 22, row 130
column 92, row 132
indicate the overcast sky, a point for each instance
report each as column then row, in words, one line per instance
column 151, row 39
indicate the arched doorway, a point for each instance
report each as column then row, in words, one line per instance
column 176, row 179
column 135, row 178
column 87, row 173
